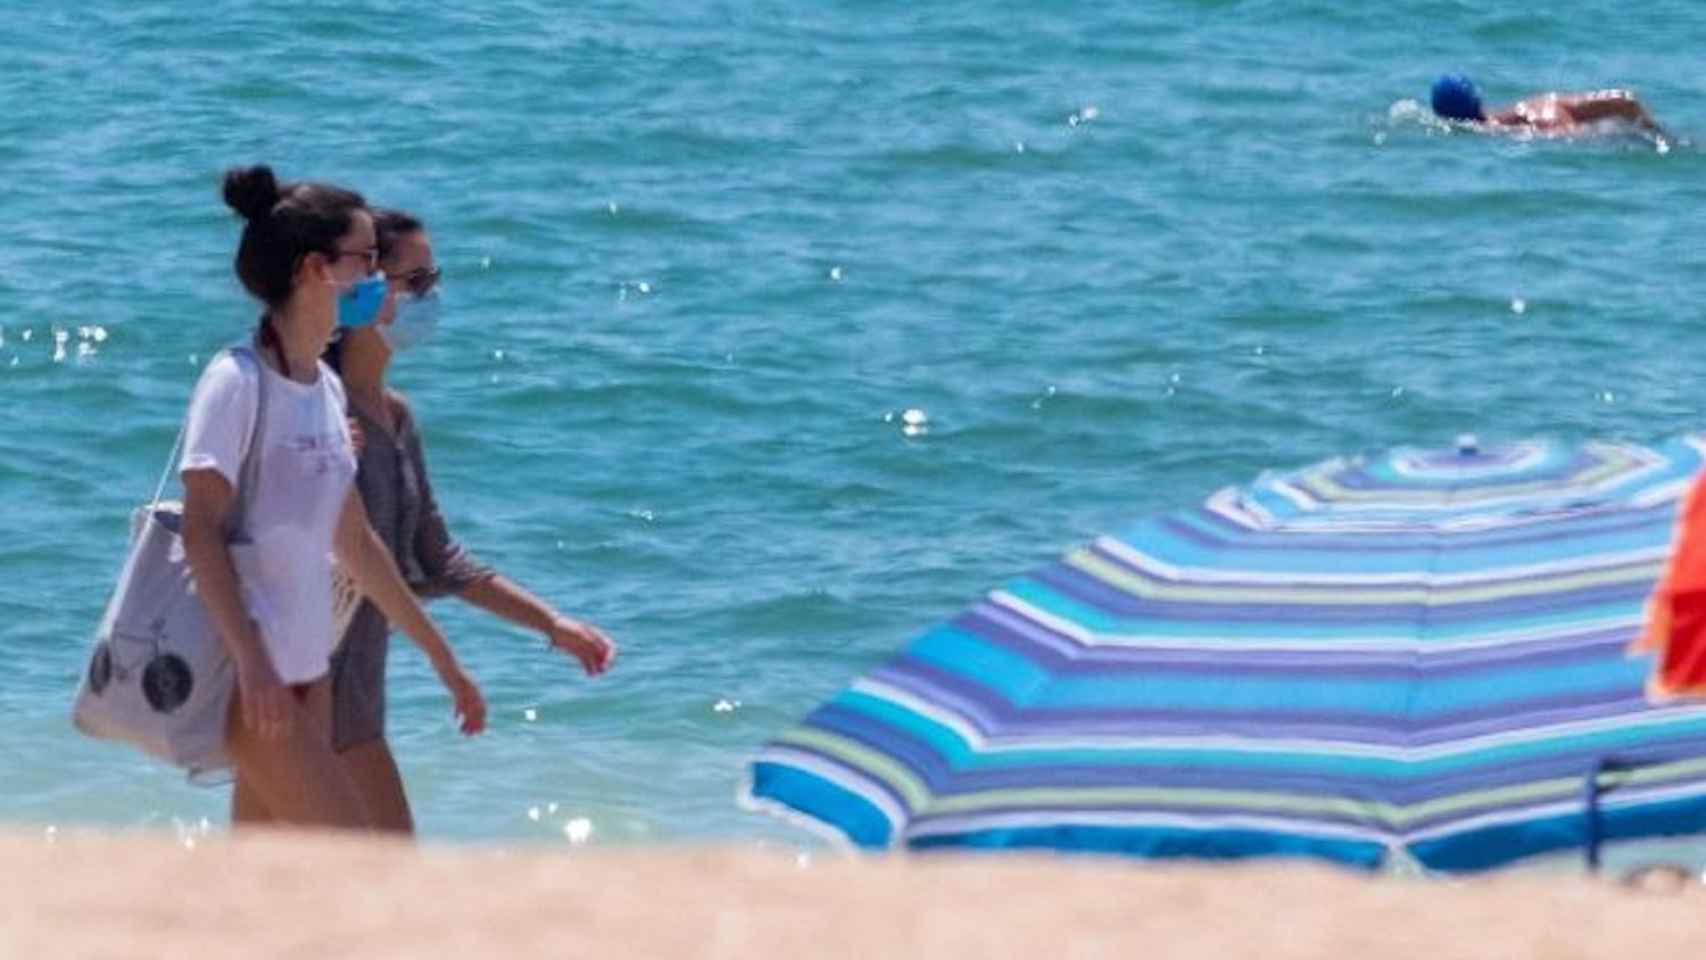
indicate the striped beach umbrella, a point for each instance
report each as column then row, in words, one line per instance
column 1420, row 654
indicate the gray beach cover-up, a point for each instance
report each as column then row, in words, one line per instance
column 394, row 487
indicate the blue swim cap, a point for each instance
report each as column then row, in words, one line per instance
column 1455, row 98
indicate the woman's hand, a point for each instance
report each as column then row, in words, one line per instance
column 584, row 642
column 266, row 703
column 470, row 705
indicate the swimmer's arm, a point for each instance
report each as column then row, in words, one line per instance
column 1612, row 105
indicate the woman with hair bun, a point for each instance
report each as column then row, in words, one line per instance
column 308, row 253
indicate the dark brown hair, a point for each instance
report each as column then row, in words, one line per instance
column 283, row 223
column 389, row 223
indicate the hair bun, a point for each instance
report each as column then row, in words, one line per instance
column 251, row 191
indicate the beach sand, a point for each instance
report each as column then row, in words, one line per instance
column 305, row 895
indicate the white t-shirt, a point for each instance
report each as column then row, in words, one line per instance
column 306, row 466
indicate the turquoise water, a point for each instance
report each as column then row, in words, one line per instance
column 702, row 258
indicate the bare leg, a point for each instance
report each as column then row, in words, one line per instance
column 247, row 810
column 297, row 780
column 373, row 770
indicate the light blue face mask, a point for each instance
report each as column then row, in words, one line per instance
column 416, row 319
column 360, row 303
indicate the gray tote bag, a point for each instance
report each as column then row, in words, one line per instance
column 158, row 677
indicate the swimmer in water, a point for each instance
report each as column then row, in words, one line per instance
column 1455, row 97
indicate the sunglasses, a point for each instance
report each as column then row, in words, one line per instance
column 419, row 281
column 371, row 255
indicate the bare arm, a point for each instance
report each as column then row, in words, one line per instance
column 450, row 569
column 1611, row 105
column 207, row 503
column 585, row 642
column 500, row 595
column 363, row 554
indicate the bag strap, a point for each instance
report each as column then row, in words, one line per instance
column 171, row 458
column 248, row 476
column 248, row 473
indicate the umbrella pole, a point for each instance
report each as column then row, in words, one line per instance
column 1591, row 793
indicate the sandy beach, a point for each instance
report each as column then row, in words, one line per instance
column 298, row 895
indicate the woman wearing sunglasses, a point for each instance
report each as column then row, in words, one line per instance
column 307, row 254
column 395, row 487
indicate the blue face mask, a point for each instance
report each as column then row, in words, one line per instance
column 360, row 303
column 416, row 319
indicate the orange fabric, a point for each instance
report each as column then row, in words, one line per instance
column 1675, row 627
